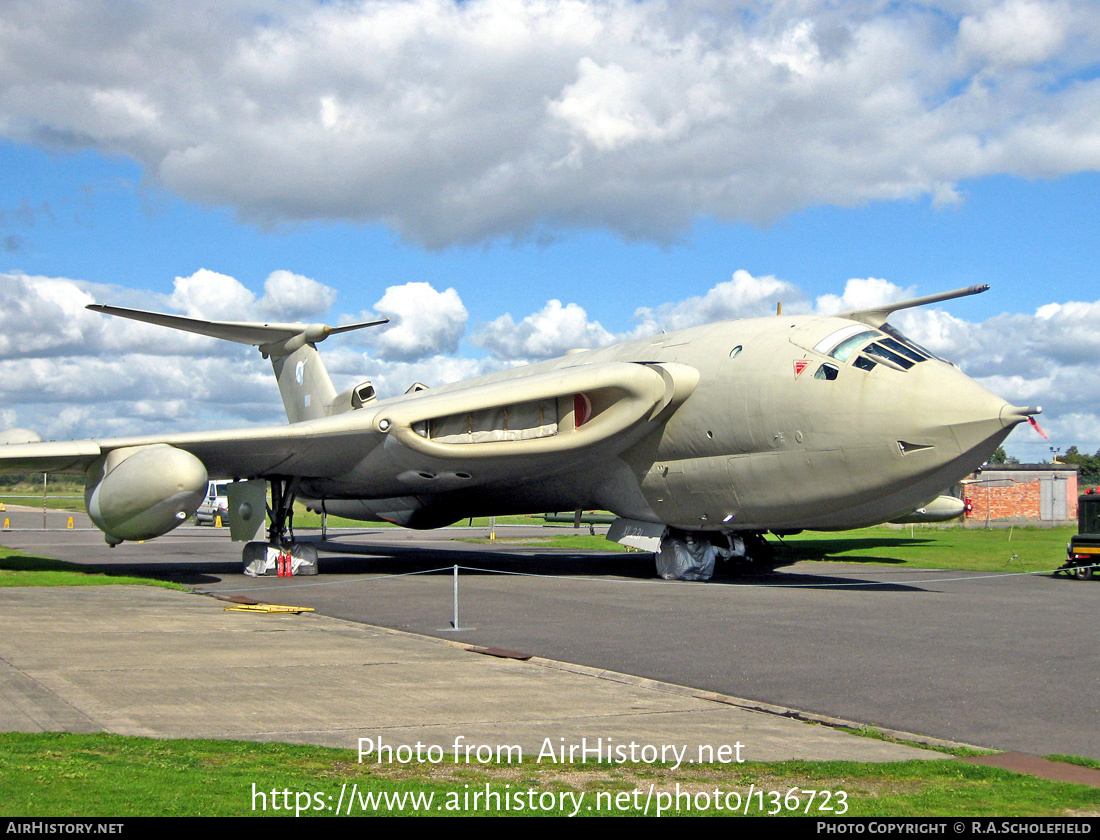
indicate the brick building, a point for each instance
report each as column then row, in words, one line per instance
column 1022, row 494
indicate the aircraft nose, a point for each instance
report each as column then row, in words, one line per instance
column 975, row 419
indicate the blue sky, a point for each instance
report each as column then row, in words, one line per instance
column 915, row 147
column 97, row 218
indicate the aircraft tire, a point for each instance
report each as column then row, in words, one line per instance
column 760, row 553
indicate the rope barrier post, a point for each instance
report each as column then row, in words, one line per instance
column 454, row 604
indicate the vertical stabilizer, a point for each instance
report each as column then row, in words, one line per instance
column 304, row 384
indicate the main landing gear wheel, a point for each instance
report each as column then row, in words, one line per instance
column 281, row 555
column 759, row 553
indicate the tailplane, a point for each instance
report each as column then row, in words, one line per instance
column 304, row 383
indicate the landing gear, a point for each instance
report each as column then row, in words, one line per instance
column 686, row 556
column 281, row 511
column 759, row 554
column 281, row 555
column 691, row 555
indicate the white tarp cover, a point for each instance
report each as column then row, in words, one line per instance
column 688, row 560
column 263, row 559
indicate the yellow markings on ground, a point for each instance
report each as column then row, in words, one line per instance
column 267, row 608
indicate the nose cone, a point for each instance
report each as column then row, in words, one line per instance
column 969, row 419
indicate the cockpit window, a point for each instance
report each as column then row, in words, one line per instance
column 863, row 363
column 912, row 345
column 908, row 352
column 876, row 349
column 827, row 371
column 828, row 345
column 843, row 351
column 885, row 345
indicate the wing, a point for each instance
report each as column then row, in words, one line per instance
column 499, row 429
column 506, row 422
column 313, row 448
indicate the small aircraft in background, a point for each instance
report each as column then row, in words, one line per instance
column 698, row 440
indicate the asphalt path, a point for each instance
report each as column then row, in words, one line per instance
column 1005, row 661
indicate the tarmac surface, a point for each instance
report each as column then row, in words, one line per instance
column 1003, row 662
column 145, row 661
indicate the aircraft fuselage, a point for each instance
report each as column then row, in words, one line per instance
column 793, row 422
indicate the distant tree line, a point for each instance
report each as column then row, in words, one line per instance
column 1088, row 465
column 35, row 479
column 1089, row 472
column 999, row 456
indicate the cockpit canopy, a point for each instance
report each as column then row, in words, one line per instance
column 866, row 347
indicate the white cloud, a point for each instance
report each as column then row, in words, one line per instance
column 219, row 297
column 68, row 372
column 39, row 315
column 862, row 293
column 459, row 122
column 423, row 322
column 294, row 297
column 742, row 296
column 552, row 331
column 1016, row 32
column 210, row 295
column 73, row 372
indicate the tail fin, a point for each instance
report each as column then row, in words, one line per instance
column 303, row 381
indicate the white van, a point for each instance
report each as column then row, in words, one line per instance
column 214, row 505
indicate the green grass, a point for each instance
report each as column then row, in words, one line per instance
column 60, row 500
column 306, row 519
column 577, row 542
column 56, row 774
column 878, row 735
column 28, row 492
column 17, row 569
column 976, row 549
column 1091, row 763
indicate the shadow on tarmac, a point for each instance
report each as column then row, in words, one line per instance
column 343, row 558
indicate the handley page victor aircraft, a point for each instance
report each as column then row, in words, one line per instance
column 712, row 435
